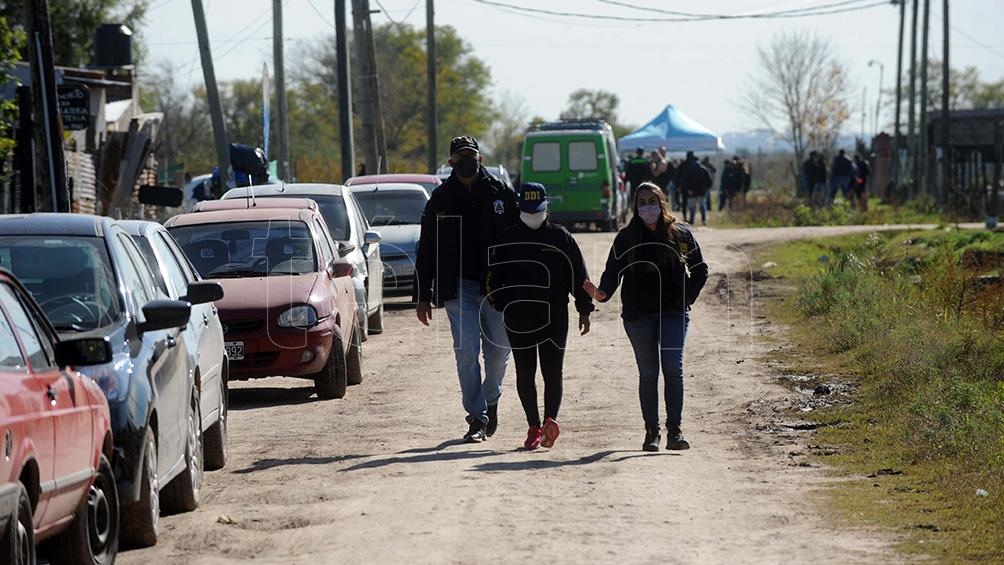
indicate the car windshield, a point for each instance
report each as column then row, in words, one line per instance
column 248, row 249
column 332, row 209
column 70, row 277
column 392, row 207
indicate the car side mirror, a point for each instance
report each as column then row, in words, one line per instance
column 164, row 314
column 345, row 248
column 201, row 292
column 83, row 351
column 372, row 238
column 340, row 268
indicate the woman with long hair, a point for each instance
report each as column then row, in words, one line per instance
column 658, row 264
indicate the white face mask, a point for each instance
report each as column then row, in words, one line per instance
column 534, row 220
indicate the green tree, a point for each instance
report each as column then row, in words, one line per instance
column 74, row 22
column 11, row 40
column 966, row 91
column 585, row 103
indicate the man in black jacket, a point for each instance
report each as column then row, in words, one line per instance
column 462, row 219
column 695, row 181
column 535, row 266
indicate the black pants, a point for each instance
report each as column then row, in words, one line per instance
column 532, row 335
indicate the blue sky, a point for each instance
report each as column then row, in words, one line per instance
column 698, row 66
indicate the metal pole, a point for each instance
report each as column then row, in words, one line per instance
column 432, row 116
column 346, row 139
column 921, row 163
column 360, row 13
column 213, row 94
column 899, row 95
column 946, row 145
column 878, row 101
column 52, row 173
column 280, row 92
column 911, row 119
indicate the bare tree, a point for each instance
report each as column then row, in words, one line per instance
column 799, row 91
column 504, row 142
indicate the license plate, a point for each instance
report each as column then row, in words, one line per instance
column 234, row 350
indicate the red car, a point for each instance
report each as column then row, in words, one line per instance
column 288, row 307
column 56, row 482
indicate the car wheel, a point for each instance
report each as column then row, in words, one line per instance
column 141, row 520
column 93, row 536
column 354, row 358
column 182, row 494
column 215, row 440
column 331, row 380
column 17, row 546
column 375, row 322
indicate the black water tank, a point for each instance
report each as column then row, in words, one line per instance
column 113, row 46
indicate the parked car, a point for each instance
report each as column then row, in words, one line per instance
column 347, row 225
column 288, row 308
column 56, row 480
column 91, row 280
column 174, row 275
column 577, row 161
column 428, row 182
column 498, row 171
column 396, row 210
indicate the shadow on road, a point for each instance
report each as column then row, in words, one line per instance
column 422, row 458
column 440, row 447
column 251, row 398
column 263, row 464
column 551, row 464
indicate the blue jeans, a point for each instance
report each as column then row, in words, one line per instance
column 476, row 325
column 842, row 184
column 657, row 340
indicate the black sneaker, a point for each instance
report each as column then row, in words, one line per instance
column 675, row 440
column 652, row 439
column 493, row 420
column 476, row 433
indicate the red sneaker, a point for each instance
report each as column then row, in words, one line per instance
column 550, row 432
column 533, row 437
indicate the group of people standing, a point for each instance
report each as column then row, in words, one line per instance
column 844, row 176
column 505, row 274
column 688, row 182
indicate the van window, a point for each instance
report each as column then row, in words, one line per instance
column 547, row 156
column 581, row 156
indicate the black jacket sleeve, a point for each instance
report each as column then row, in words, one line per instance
column 495, row 285
column 425, row 260
column 697, row 267
column 616, row 262
column 583, row 302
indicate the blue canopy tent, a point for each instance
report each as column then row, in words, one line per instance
column 673, row 130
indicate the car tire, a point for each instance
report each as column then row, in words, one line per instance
column 331, row 380
column 354, row 358
column 17, row 546
column 375, row 322
column 182, row 493
column 93, row 536
column 141, row 519
column 215, row 443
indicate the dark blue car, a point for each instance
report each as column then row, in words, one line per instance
column 91, row 279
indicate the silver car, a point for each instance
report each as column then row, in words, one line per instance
column 204, row 334
column 395, row 210
column 347, row 226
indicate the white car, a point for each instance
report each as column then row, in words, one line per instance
column 395, row 210
column 347, row 226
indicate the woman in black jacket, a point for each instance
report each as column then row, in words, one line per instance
column 663, row 272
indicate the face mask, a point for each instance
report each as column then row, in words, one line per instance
column 534, row 220
column 467, row 167
column 650, row 213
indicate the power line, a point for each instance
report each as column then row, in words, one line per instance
column 806, row 12
column 705, row 16
column 320, row 15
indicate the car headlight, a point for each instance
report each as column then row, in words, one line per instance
column 298, row 317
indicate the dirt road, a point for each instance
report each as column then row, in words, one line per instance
column 381, row 476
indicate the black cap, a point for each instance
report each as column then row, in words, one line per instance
column 463, row 142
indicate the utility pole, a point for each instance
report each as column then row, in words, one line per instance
column 921, row 164
column 946, row 153
column 346, row 139
column 374, row 144
column 899, row 95
column 911, row 123
column 432, row 116
column 280, row 93
column 878, row 101
column 213, row 94
column 51, row 192
column 864, row 110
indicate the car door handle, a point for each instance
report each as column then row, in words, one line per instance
column 205, row 319
column 51, row 393
column 171, row 341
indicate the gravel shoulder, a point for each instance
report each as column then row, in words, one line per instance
column 380, row 476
